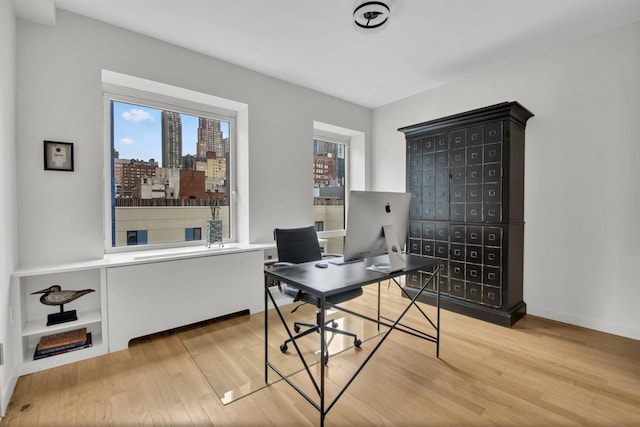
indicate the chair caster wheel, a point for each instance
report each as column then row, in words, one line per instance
column 334, row 324
column 296, row 328
column 357, row 342
column 283, row 348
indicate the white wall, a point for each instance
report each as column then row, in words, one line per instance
column 59, row 87
column 51, row 81
column 8, row 225
column 581, row 196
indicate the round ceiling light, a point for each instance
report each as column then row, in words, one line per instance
column 371, row 15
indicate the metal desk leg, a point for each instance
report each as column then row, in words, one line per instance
column 323, row 358
column 378, row 306
column 266, row 335
column 438, row 313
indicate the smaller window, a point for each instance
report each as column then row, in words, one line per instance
column 136, row 237
column 191, row 234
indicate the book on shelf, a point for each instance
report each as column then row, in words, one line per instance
column 62, row 338
column 62, row 342
column 87, row 343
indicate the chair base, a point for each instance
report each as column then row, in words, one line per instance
column 330, row 326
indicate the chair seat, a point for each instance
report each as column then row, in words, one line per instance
column 310, row 299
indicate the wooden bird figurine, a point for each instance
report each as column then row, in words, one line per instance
column 54, row 295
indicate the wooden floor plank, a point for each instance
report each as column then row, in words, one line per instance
column 539, row 372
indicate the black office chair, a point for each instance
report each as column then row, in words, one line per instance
column 295, row 246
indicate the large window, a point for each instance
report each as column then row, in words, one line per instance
column 170, row 163
column 329, row 189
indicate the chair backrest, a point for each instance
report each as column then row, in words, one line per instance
column 297, row 245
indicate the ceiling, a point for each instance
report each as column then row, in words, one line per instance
column 313, row 43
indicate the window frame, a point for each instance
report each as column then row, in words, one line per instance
column 345, row 140
column 113, row 92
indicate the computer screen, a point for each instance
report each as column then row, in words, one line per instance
column 369, row 212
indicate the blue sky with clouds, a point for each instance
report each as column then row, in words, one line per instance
column 138, row 132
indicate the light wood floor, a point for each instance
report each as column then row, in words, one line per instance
column 538, row 373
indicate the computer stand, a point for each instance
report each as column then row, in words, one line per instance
column 394, row 250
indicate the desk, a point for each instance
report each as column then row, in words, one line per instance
column 324, row 282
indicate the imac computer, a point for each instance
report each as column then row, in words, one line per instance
column 377, row 224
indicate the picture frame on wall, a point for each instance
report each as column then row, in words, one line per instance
column 58, row 156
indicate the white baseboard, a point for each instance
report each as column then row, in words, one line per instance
column 6, row 393
column 627, row 331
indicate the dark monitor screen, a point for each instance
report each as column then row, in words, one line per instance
column 368, row 213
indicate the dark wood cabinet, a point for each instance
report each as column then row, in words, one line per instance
column 465, row 173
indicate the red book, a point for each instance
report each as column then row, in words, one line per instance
column 62, row 339
column 64, row 349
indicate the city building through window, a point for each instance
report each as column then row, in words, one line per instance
column 191, row 234
column 136, row 237
column 170, row 165
column 329, row 189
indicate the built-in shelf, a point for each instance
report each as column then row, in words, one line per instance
column 31, row 314
column 29, row 365
column 39, row 326
column 149, row 269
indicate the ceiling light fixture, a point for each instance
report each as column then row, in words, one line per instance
column 371, row 15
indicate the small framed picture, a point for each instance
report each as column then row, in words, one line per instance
column 58, row 156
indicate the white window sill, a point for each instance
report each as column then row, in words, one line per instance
column 141, row 257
